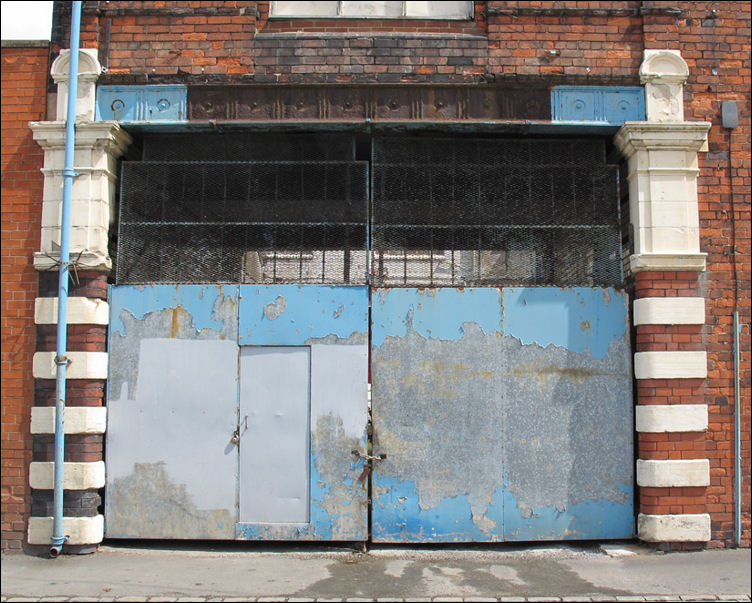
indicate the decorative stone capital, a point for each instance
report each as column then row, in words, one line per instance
column 98, row 146
column 664, row 72
column 89, row 70
column 663, row 210
column 689, row 136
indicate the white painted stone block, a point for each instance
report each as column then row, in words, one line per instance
column 674, row 528
column 80, row 530
column 83, row 365
column 89, row 70
column 671, row 365
column 690, row 262
column 77, row 419
column 669, row 311
column 76, row 476
column 673, row 474
column 81, row 311
column 652, row 418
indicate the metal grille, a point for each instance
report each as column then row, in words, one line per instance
column 444, row 212
column 240, row 146
column 252, row 222
column 470, row 212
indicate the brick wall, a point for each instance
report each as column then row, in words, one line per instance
column 200, row 43
column 717, row 50
column 24, row 79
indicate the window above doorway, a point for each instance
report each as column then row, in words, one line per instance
column 372, row 10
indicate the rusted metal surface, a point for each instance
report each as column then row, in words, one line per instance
column 177, row 412
column 505, row 414
column 376, row 102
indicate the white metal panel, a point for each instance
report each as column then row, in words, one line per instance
column 274, row 434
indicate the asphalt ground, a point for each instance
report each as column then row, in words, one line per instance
column 234, row 572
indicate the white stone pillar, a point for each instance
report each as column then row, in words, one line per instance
column 662, row 157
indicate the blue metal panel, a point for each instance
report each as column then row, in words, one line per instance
column 578, row 319
column 435, row 313
column 333, row 322
column 296, row 314
column 172, row 410
column 601, row 104
column 142, row 103
column 513, row 428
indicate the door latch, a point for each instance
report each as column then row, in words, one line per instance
column 368, row 457
column 236, row 437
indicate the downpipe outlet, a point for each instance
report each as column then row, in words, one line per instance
column 57, row 546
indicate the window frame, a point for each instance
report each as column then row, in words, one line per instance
column 467, row 14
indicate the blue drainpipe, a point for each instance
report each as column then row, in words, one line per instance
column 61, row 360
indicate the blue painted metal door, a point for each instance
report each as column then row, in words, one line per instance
column 327, row 328
column 234, row 412
column 504, row 414
column 172, row 409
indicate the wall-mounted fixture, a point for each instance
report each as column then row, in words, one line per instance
column 729, row 115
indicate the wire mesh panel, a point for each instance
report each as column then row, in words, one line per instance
column 497, row 212
column 244, row 146
column 251, row 222
column 263, row 208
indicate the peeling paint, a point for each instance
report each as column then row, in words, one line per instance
column 549, row 315
column 495, row 439
column 434, row 313
column 149, row 503
column 203, row 302
column 275, row 310
column 173, row 315
column 173, row 401
column 310, row 312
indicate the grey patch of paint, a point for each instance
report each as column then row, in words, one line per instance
column 338, row 312
column 447, row 448
column 342, row 497
column 174, row 323
column 568, row 435
column 150, row 504
column 465, row 417
column 275, row 310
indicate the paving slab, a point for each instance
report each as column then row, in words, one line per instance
column 512, row 574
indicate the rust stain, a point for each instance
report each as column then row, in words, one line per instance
column 585, row 325
column 580, row 375
column 175, row 328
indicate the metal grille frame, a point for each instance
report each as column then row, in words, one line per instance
column 426, row 211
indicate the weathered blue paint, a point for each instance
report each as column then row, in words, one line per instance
column 520, row 431
column 199, row 300
column 586, row 520
column 194, row 322
column 153, row 103
column 323, row 523
column 435, row 313
column 600, row 104
column 400, row 517
column 296, row 314
column 578, row 319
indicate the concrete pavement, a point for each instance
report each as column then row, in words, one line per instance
column 243, row 572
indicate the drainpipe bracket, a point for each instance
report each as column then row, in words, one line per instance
column 63, row 361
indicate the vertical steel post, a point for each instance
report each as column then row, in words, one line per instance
column 61, row 360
